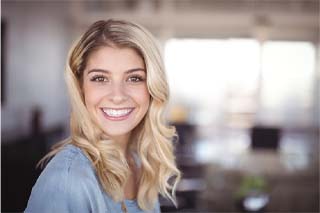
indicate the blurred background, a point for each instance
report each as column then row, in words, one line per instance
column 244, row 78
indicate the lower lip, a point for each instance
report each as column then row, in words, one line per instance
column 120, row 118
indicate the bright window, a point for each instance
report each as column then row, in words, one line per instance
column 217, row 80
column 287, row 85
column 202, row 73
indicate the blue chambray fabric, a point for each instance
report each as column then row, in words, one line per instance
column 69, row 184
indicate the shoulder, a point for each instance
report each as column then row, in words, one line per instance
column 69, row 163
column 67, row 158
column 67, row 183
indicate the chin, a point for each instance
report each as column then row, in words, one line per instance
column 116, row 132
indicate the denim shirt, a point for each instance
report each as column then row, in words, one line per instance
column 69, row 184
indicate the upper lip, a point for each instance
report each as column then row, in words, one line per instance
column 117, row 108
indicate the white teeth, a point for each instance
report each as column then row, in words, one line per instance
column 117, row 113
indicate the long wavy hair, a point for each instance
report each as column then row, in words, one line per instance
column 151, row 139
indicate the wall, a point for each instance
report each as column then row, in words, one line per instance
column 37, row 42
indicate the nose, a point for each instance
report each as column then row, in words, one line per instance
column 117, row 93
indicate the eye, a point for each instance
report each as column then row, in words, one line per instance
column 99, row 78
column 135, row 79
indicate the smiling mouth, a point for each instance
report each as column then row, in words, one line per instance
column 117, row 113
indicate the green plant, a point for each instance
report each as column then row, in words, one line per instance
column 251, row 184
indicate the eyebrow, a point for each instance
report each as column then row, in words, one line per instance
column 107, row 71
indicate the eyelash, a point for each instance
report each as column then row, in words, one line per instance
column 101, row 78
column 137, row 78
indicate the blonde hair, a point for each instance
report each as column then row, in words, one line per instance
column 151, row 139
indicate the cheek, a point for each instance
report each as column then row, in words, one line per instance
column 92, row 96
column 141, row 96
column 144, row 98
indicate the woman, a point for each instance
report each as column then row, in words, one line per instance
column 120, row 154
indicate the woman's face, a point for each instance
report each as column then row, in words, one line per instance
column 115, row 90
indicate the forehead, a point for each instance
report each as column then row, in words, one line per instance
column 114, row 58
